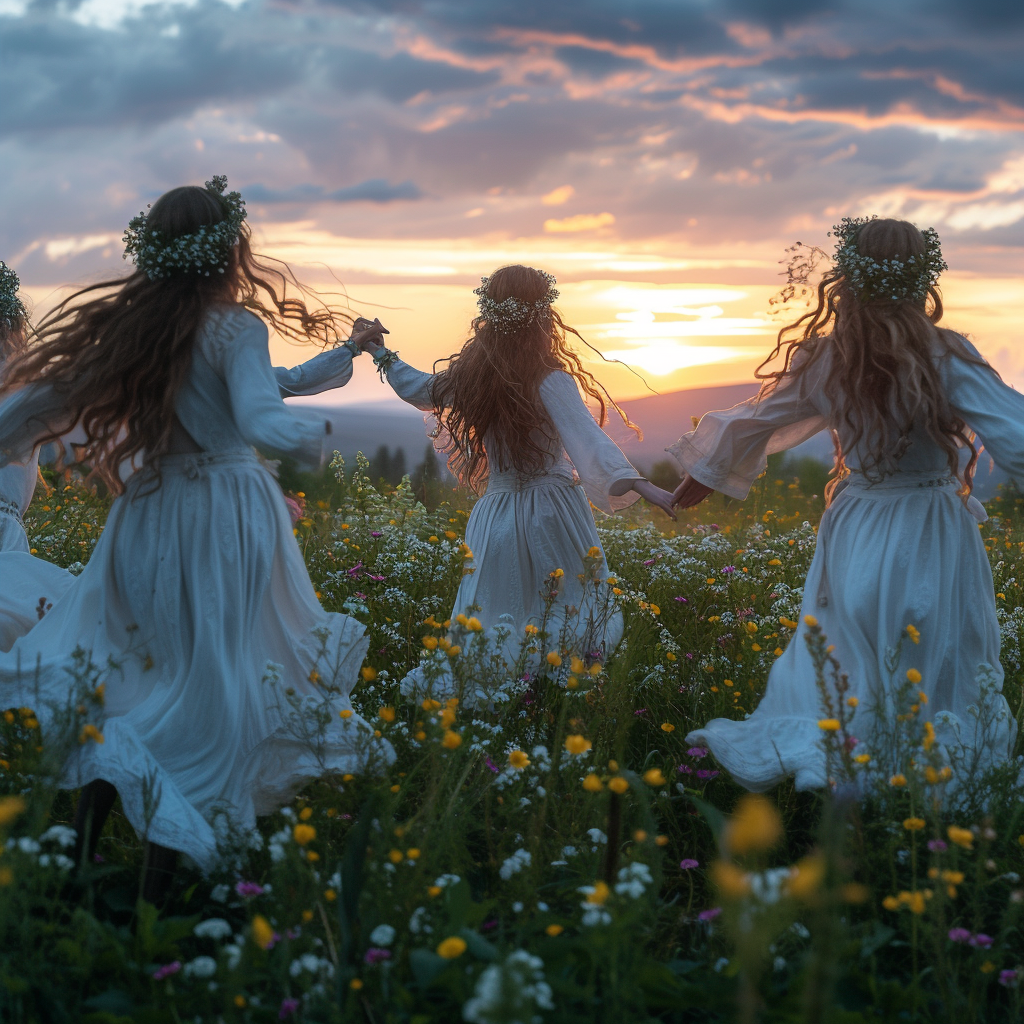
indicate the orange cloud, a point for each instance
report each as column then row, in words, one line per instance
column 559, row 195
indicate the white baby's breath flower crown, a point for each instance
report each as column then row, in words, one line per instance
column 199, row 252
column 891, row 279
column 12, row 309
column 514, row 314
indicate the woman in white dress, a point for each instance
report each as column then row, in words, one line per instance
column 223, row 676
column 324, row 372
column 17, row 480
column 898, row 544
column 513, row 421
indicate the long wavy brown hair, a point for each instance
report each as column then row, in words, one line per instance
column 12, row 339
column 490, row 389
column 117, row 352
column 883, row 376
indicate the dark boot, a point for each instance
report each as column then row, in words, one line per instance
column 159, row 863
column 94, row 804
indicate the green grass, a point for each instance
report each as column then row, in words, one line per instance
column 453, row 842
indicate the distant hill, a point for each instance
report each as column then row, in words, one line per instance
column 663, row 419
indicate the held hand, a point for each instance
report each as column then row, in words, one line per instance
column 654, row 495
column 690, row 492
column 368, row 334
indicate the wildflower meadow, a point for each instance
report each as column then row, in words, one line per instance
column 545, row 846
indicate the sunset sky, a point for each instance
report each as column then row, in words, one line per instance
column 658, row 156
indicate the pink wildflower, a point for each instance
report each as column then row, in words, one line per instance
column 374, row 955
column 288, row 1008
column 710, row 914
column 167, row 970
column 959, row 935
column 688, row 864
column 249, row 890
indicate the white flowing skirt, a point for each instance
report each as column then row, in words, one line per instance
column 223, row 676
column 519, row 535
column 903, row 552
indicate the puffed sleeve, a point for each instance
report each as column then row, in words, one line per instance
column 258, row 410
column 411, row 385
column 729, row 450
column 25, row 415
column 324, row 372
column 992, row 409
column 597, row 459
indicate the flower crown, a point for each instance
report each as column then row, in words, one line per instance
column 513, row 314
column 200, row 252
column 893, row 278
column 12, row 309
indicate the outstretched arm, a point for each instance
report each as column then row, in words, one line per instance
column 330, row 369
column 411, row 385
column 992, row 409
column 609, row 479
column 729, row 450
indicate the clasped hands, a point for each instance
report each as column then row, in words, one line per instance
column 368, row 335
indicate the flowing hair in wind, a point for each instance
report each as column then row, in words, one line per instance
column 883, row 376
column 490, row 389
column 117, row 352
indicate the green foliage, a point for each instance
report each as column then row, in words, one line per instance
column 556, row 884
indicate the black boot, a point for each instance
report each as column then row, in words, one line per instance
column 94, row 804
column 159, row 863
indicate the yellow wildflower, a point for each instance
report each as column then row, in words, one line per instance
column 810, row 620
column 600, row 894
column 891, row 903
column 90, row 732
column 913, row 676
column 618, row 785
column 852, row 702
column 356, row 984
column 369, row 673
column 10, row 808
column 554, row 659
column 754, row 825
column 434, row 890
column 412, row 854
column 577, row 744
column 806, row 876
column 451, row 740
column 654, row 777
column 730, row 880
column 386, row 714
column 451, row 948
column 474, row 625
column 305, row 814
column 961, row 836
column 899, row 779
column 430, row 642
column 303, row 834
column 518, row 759
column 554, row 930
column 667, row 727
column 914, row 824
column 262, row 933
column 829, row 724
column 914, row 634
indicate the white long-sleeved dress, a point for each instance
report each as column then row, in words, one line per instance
column 523, row 529
column 197, row 607
column 324, row 372
column 902, row 551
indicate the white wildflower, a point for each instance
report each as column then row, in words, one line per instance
column 213, row 928
column 201, row 967
column 514, row 864
column 510, row 993
column 382, row 935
